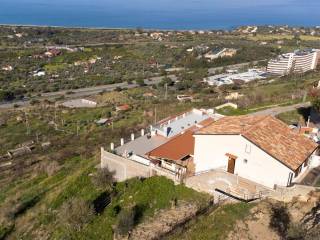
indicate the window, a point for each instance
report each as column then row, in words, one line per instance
column 296, row 173
column 248, row 148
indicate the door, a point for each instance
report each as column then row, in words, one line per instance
column 231, row 164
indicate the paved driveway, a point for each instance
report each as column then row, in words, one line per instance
column 277, row 110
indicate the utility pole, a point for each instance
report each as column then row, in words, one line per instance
column 55, row 117
column 166, row 92
column 77, row 128
column 27, row 122
column 155, row 115
column 37, row 136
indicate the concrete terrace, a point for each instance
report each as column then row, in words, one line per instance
column 141, row 145
column 178, row 124
column 217, row 181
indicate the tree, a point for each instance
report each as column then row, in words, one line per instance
column 140, row 82
column 166, row 80
column 280, row 220
column 315, row 98
column 6, row 95
column 125, row 221
column 104, row 179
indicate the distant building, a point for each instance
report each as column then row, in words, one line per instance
column 8, row 68
column 104, row 121
column 297, row 62
column 183, row 98
column 225, row 52
column 39, row 73
column 174, row 69
column 122, row 108
column 233, row 96
column 230, row 78
column 52, row 53
column 79, row 103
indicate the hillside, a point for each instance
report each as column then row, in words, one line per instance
column 269, row 219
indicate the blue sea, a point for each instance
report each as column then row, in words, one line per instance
column 160, row 14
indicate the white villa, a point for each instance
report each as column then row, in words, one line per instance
column 245, row 157
column 258, row 148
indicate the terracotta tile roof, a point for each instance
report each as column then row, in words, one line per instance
column 206, row 122
column 269, row 134
column 123, row 107
column 177, row 148
column 231, row 125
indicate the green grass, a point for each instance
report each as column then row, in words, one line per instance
column 41, row 199
column 295, row 116
column 270, row 37
column 55, row 67
column 292, row 117
column 217, row 225
column 149, row 195
column 230, row 111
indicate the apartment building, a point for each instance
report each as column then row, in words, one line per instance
column 299, row 61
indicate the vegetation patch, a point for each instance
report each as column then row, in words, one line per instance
column 217, row 225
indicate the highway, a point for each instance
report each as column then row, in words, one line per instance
column 212, row 71
column 84, row 92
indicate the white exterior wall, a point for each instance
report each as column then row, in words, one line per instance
column 210, row 153
column 140, row 159
column 315, row 59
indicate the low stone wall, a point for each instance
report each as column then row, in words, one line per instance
column 124, row 168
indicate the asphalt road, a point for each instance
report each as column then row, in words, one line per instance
column 277, row 110
column 212, row 71
column 84, row 92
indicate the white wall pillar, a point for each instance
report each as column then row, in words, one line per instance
column 165, row 129
column 132, row 136
column 112, row 146
column 142, row 132
column 121, row 141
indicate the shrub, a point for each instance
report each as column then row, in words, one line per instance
column 296, row 232
column 5, row 230
column 128, row 218
column 104, row 179
column 75, row 213
column 280, row 220
column 50, row 168
column 125, row 221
